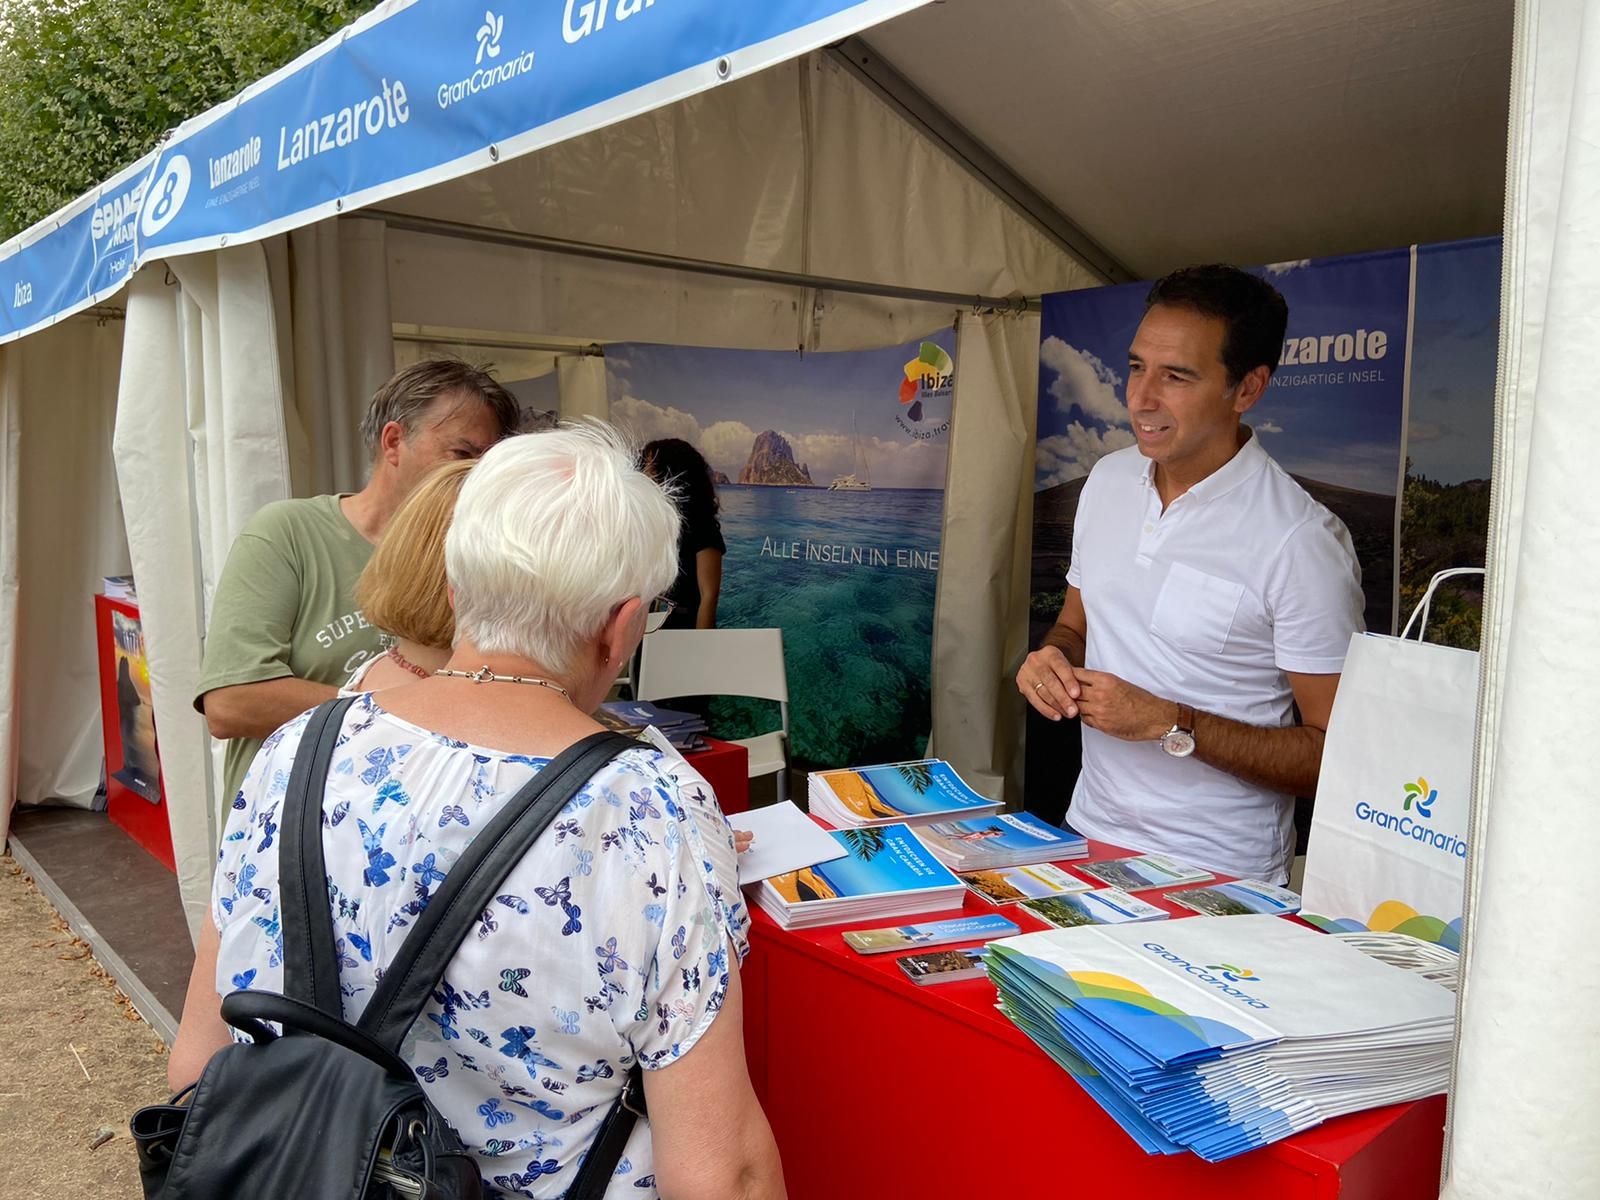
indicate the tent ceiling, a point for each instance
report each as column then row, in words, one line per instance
column 1175, row 131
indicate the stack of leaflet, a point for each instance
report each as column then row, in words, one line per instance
column 633, row 717
column 120, row 587
column 885, row 872
column 1221, row 1035
column 1003, row 840
column 911, row 793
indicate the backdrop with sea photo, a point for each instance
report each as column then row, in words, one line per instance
column 830, row 472
column 1332, row 417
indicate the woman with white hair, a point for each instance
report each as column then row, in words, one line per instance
column 617, row 938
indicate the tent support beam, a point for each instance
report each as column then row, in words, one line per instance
column 672, row 262
column 589, row 350
column 863, row 62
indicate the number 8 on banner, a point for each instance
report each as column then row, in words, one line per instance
column 164, row 200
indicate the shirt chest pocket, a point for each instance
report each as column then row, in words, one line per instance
column 1195, row 611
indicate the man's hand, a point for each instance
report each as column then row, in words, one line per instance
column 1050, row 683
column 1118, row 708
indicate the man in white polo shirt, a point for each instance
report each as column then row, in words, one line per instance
column 1209, row 598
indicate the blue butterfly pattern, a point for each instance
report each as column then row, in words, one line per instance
column 666, row 877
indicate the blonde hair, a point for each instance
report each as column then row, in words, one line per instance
column 403, row 591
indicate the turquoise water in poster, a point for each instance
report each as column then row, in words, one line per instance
column 848, row 571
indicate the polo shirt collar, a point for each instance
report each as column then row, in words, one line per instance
column 1250, row 459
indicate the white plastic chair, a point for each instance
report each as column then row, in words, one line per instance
column 724, row 662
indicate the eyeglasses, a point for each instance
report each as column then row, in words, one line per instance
column 663, row 605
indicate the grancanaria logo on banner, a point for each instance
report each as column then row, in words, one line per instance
column 926, row 391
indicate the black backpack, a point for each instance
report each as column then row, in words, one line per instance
column 329, row 1111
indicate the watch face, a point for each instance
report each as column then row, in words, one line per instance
column 1179, row 743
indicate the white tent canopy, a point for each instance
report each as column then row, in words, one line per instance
column 985, row 148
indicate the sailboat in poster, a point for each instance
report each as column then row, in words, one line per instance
column 853, row 482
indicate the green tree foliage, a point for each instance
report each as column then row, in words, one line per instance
column 865, row 844
column 87, row 86
column 1443, row 526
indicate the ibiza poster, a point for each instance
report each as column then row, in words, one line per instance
column 830, row 472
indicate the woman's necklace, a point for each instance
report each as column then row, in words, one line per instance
column 484, row 675
column 394, row 653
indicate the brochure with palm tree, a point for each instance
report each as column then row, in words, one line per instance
column 914, row 793
column 885, row 872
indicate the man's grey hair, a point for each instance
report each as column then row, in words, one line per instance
column 409, row 393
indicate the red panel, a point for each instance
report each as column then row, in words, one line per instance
column 143, row 821
column 876, row 1087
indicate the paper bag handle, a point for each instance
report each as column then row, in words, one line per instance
column 1427, row 600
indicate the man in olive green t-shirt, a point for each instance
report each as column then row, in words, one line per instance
column 285, row 631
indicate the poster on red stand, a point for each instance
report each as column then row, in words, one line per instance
column 134, row 797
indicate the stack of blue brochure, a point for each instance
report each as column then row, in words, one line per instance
column 1221, row 1034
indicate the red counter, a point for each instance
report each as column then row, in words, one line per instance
column 877, row 1088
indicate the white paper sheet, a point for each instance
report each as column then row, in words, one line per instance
column 786, row 840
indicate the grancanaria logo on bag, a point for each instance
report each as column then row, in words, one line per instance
column 1416, row 808
column 1235, row 974
column 1422, row 796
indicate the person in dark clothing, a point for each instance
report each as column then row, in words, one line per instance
column 680, row 468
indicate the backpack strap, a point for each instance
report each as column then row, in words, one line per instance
column 310, row 963
column 420, row 962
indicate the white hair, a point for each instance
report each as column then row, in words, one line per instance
column 552, row 531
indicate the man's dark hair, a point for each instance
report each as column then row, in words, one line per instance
column 410, row 391
column 1252, row 310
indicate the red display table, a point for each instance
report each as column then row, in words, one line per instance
column 726, row 767
column 878, row 1088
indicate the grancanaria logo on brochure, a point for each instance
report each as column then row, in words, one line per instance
column 1422, row 795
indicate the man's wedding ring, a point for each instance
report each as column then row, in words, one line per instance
column 1038, row 687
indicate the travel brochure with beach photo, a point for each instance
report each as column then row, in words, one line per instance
column 885, row 872
column 1001, row 840
column 1012, row 884
column 1103, row 906
column 933, row 933
column 1144, row 871
column 1237, row 899
column 912, row 792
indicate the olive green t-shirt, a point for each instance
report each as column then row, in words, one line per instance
column 285, row 605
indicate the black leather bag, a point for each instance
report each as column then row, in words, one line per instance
column 328, row 1110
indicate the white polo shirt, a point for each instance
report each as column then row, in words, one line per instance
column 1243, row 578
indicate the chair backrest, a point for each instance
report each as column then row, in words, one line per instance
column 713, row 662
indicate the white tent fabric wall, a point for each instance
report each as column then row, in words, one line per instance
column 981, row 614
column 342, row 348
column 57, row 393
column 1527, row 1083
column 582, row 380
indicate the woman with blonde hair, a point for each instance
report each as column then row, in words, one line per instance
column 403, row 591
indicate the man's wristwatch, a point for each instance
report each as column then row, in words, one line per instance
column 1179, row 740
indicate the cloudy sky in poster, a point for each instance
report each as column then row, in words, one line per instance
column 1343, row 430
column 720, row 400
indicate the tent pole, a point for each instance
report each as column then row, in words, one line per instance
column 671, row 262
column 590, row 349
column 870, row 69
